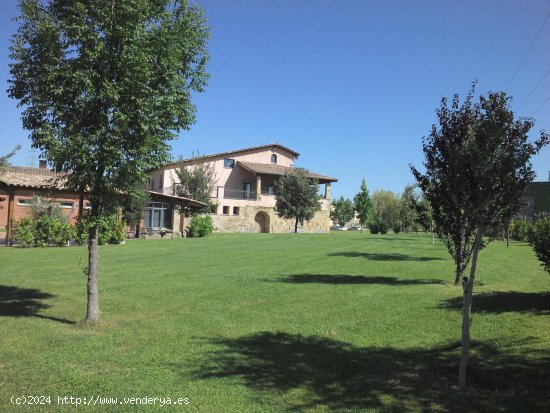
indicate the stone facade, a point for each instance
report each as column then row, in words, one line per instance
column 262, row 219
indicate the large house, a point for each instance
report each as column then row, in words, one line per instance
column 243, row 197
column 536, row 200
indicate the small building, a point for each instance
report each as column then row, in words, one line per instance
column 19, row 184
column 243, row 198
column 536, row 200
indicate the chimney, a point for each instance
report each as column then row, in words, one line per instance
column 42, row 164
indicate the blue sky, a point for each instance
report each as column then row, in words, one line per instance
column 351, row 85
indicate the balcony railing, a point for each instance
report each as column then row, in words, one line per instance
column 239, row 194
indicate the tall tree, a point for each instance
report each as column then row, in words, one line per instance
column 5, row 159
column 342, row 211
column 363, row 205
column 386, row 208
column 297, row 196
column 197, row 179
column 105, row 85
column 477, row 166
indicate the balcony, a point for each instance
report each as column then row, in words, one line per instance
column 238, row 194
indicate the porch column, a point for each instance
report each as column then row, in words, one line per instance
column 182, row 220
column 11, row 206
column 258, row 187
column 328, row 191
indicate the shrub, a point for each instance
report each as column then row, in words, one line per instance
column 111, row 230
column 200, row 226
column 45, row 228
column 540, row 241
column 62, row 234
column 24, row 231
column 397, row 228
column 378, row 227
column 519, row 229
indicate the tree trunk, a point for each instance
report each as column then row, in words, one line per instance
column 468, row 286
column 296, row 226
column 92, row 313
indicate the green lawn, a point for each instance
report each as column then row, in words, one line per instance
column 343, row 322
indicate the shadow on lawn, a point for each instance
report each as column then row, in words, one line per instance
column 25, row 302
column 504, row 302
column 382, row 257
column 320, row 372
column 353, row 279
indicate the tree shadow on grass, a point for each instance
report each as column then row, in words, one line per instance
column 324, row 373
column 504, row 302
column 353, row 279
column 25, row 302
column 382, row 257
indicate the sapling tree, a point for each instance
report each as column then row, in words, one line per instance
column 363, row 205
column 477, row 164
column 105, row 85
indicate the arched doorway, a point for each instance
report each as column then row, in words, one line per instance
column 262, row 222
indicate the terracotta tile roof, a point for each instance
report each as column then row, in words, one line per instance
column 31, row 177
column 233, row 152
column 272, row 169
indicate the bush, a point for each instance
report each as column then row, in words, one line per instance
column 45, row 227
column 540, row 241
column 397, row 228
column 62, row 234
column 111, row 231
column 24, row 231
column 378, row 227
column 200, row 226
column 519, row 230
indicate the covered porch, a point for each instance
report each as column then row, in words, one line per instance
column 165, row 214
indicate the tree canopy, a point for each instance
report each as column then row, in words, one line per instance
column 5, row 159
column 105, row 86
column 196, row 181
column 296, row 196
column 477, row 163
column 342, row 211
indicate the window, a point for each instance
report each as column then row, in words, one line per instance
column 161, row 182
column 226, row 210
column 152, row 182
column 229, row 163
column 66, row 204
column 270, row 190
column 273, row 158
column 235, row 210
column 158, row 215
column 247, row 190
column 24, row 202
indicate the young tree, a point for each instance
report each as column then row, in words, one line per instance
column 197, row 181
column 363, row 205
column 105, row 86
column 477, row 166
column 408, row 213
column 296, row 196
column 4, row 160
column 342, row 211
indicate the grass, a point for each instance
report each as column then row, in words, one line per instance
column 343, row 322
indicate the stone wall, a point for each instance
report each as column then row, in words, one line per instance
column 246, row 222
